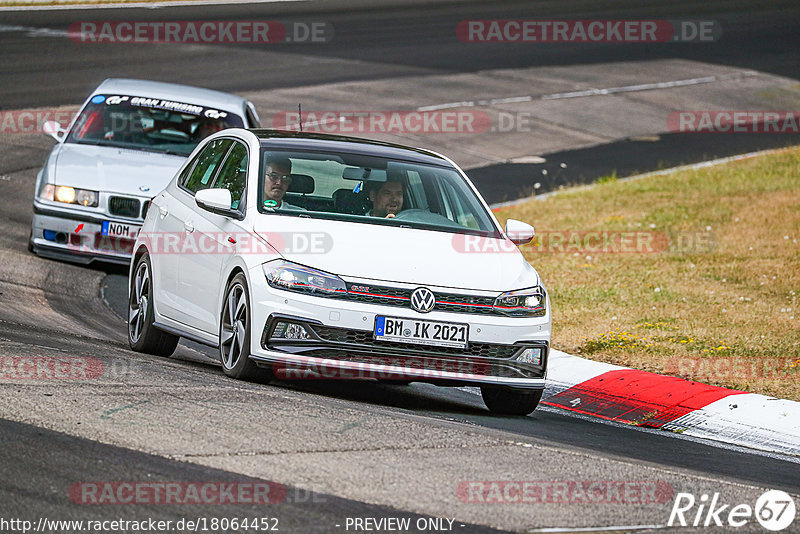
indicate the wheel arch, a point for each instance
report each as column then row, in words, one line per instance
column 234, row 270
column 138, row 253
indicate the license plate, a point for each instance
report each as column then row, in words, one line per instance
column 112, row 229
column 421, row 332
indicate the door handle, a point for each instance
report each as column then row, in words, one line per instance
column 188, row 226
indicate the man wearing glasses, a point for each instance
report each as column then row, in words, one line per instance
column 277, row 178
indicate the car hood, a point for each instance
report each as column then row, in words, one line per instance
column 115, row 170
column 393, row 254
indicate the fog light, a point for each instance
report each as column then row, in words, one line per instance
column 285, row 330
column 533, row 356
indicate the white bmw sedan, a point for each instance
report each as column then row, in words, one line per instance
column 305, row 256
column 121, row 149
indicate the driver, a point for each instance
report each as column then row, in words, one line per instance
column 386, row 197
column 208, row 127
column 277, row 178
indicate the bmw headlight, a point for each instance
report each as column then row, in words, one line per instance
column 69, row 195
column 282, row 274
column 529, row 302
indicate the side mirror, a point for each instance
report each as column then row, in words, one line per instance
column 216, row 201
column 54, row 130
column 519, row 232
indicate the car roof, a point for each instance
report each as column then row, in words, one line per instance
column 290, row 140
column 173, row 91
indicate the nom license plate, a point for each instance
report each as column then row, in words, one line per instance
column 421, row 332
column 112, row 229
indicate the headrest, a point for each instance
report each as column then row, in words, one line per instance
column 301, row 183
column 345, row 201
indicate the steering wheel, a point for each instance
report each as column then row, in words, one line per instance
column 425, row 217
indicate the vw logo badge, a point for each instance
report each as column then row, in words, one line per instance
column 422, row 300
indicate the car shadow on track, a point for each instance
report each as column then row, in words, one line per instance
column 415, row 397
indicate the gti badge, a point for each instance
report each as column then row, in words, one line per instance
column 422, row 300
column 144, row 188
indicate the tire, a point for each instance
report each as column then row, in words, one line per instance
column 143, row 336
column 508, row 401
column 30, row 241
column 234, row 333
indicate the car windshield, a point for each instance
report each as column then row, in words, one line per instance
column 151, row 124
column 372, row 190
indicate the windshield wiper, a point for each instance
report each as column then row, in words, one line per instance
column 98, row 142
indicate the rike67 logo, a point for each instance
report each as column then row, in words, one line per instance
column 774, row 510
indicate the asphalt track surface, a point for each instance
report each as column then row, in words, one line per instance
column 549, row 425
column 387, row 39
column 53, row 308
column 408, row 38
column 36, row 485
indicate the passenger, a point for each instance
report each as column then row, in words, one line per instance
column 386, row 197
column 277, row 178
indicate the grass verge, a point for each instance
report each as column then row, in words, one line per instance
column 694, row 274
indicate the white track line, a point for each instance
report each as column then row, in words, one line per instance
column 147, row 5
column 590, row 92
column 596, row 529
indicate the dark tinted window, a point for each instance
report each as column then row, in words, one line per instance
column 233, row 174
column 207, row 163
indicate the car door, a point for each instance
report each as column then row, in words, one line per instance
column 178, row 239
column 216, row 237
column 164, row 241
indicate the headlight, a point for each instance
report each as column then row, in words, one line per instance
column 529, row 302
column 69, row 195
column 282, row 274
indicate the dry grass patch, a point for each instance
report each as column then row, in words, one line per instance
column 716, row 301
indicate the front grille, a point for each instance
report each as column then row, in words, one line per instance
column 449, row 302
column 123, row 207
column 486, row 359
column 145, row 207
column 365, row 339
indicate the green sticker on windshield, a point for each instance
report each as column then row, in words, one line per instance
column 270, row 203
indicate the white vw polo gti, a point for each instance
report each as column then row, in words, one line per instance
column 121, row 149
column 313, row 256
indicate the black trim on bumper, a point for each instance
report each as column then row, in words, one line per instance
column 369, row 351
column 84, row 217
column 68, row 215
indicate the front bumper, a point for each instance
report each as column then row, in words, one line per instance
column 341, row 344
column 57, row 233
